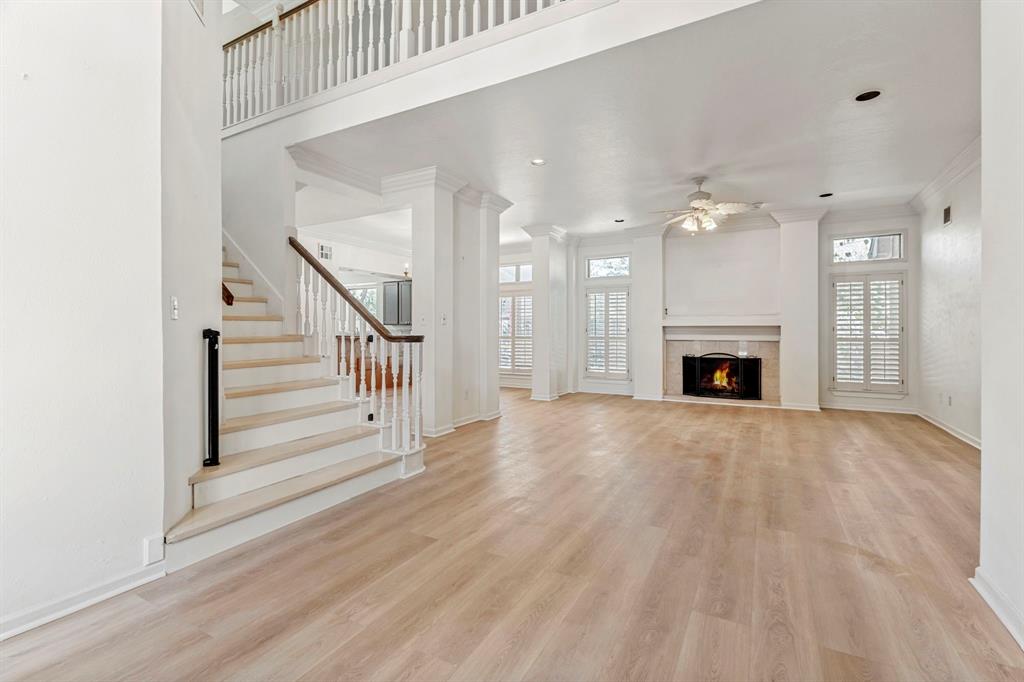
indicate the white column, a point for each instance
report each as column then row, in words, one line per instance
column 647, row 303
column 1000, row 576
column 429, row 192
column 550, row 311
column 491, row 208
column 798, row 291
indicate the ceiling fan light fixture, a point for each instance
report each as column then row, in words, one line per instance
column 707, row 222
column 691, row 224
column 538, row 162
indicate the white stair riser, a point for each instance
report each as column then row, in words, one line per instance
column 217, row 489
column 270, row 402
column 230, row 271
column 247, row 328
column 239, row 289
column 255, row 351
column 244, row 308
column 186, row 552
column 249, row 439
column 254, row 376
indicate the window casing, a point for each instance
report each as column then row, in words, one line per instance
column 606, row 353
column 868, row 333
column 515, row 333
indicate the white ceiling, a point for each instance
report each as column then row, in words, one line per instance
column 319, row 210
column 760, row 99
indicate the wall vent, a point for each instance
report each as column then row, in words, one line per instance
column 325, row 251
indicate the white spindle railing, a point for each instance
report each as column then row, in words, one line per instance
column 364, row 353
column 325, row 43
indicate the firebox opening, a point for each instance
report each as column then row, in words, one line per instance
column 721, row 375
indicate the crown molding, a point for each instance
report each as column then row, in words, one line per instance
column 652, row 230
column 545, row 230
column 962, row 165
column 431, row 176
column 317, row 232
column 494, row 202
column 798, row 215
column 859, row 215
column 321, row 164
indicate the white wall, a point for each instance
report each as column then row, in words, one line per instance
column 81, row 423
column 722, row 273
column 646, row 301
column 191, row 254
column 880, row 220
column 1000, row 575
column 949, row 340
column 362, row 258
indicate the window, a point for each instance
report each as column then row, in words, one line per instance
column 325, row 251
column 867, row 327
column 515, row 333
column 607, row 352
column 367, row 295
column 509, row 274
column 867, row 248
column 614, row 266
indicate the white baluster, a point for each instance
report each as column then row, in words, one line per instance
column 382, row 46
column 232, row 116
column 261, row 74
column 435, row 26
column 406, row 389
column 323, row 45
column 350, row 61
column 287, row 60
column 421, row 34
column 308, row 329
column 298, row 76
column 477, row 19
column 463, row 19
column 330, row 19
column 506, row 13
column 318, row 283
column 251, row 47
column 353, row 383
column 396, row 357
column 374, row 341
column 240, row 81
column 325, row 326
column 226, row 90
column 396, row 30
column 361, row 54
column 362, row 358
column 314, row 47
column 522, row 8
column 299, row 323
column 381, row 418
column 417, row 364
column 492, row 8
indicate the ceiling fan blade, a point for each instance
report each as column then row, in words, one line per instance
column 735, row 207
column 703, row 204
column 673, row 211
column 672, row 221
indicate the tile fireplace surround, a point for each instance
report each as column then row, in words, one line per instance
column 768, row 351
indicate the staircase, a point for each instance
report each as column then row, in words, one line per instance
column 296, row 435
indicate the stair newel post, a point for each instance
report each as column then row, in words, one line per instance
column 406, row 389
column 417, row 363
column 522, row 8
column 396, row 359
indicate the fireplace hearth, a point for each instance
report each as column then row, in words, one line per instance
column 722, row 375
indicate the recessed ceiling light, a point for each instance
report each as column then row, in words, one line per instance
column 826, row 195
column 537, row 162
column 620, row 220
column 868, row 96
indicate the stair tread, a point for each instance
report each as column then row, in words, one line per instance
column 253, row 318
column 250, row 299
column 271, row 362
column 230, row 464
column 254, row 421
column 236, row 280
column 229, row 264
column 279, row 387
column 283, row 338
column 240, row 506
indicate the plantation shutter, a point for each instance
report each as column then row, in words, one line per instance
column 523, row 341
column 608, row 333
column 505, row 332
column 868, row 333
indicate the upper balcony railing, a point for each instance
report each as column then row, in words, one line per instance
column 322, row 44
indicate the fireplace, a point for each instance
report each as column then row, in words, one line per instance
column 721, row 375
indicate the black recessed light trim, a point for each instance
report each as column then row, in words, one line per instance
column 826, row 195
column 868, row 96
column 620, row 220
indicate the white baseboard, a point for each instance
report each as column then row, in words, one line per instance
column 869, row 408
column 1000, row 605
column 25, row 620
column 720, row 403
column 490, row 416
column 806, row 407
column 547, row 398
column 951, row 430
column 647, row 397
column 439, row 431
column 251, row 263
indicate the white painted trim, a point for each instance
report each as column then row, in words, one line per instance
column 320, row 164
column 431, row 176
column 962, row 165
column 249, row 261
column 545, row 230
column 350, row 240
column 657, row 398
column 799, row 215
column 442, row 430
column 765, row 320
column 721, row 403
column 488, row 417
column 874, row 407
column 506, row 380
column 801, row 406
column 546, row 398
column 40, row 615
column 860, row 215
column 951, row 430
column 1000, row 605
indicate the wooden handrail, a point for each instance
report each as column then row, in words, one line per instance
column 378, row 327
column 226, row 295
column 264, row 26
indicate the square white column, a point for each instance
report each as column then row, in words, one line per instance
column 550, row 311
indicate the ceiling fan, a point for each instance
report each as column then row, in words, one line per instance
column 702, row 210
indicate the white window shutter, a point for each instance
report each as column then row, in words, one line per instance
column 886, row 331
column 849, row 332
column 867, row 329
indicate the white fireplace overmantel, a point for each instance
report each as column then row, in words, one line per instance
column 768, row 320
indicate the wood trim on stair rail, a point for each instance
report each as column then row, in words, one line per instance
column 264, row 26
column 378, row 326
column 226, row 295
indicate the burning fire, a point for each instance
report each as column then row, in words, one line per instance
column 722, row 380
